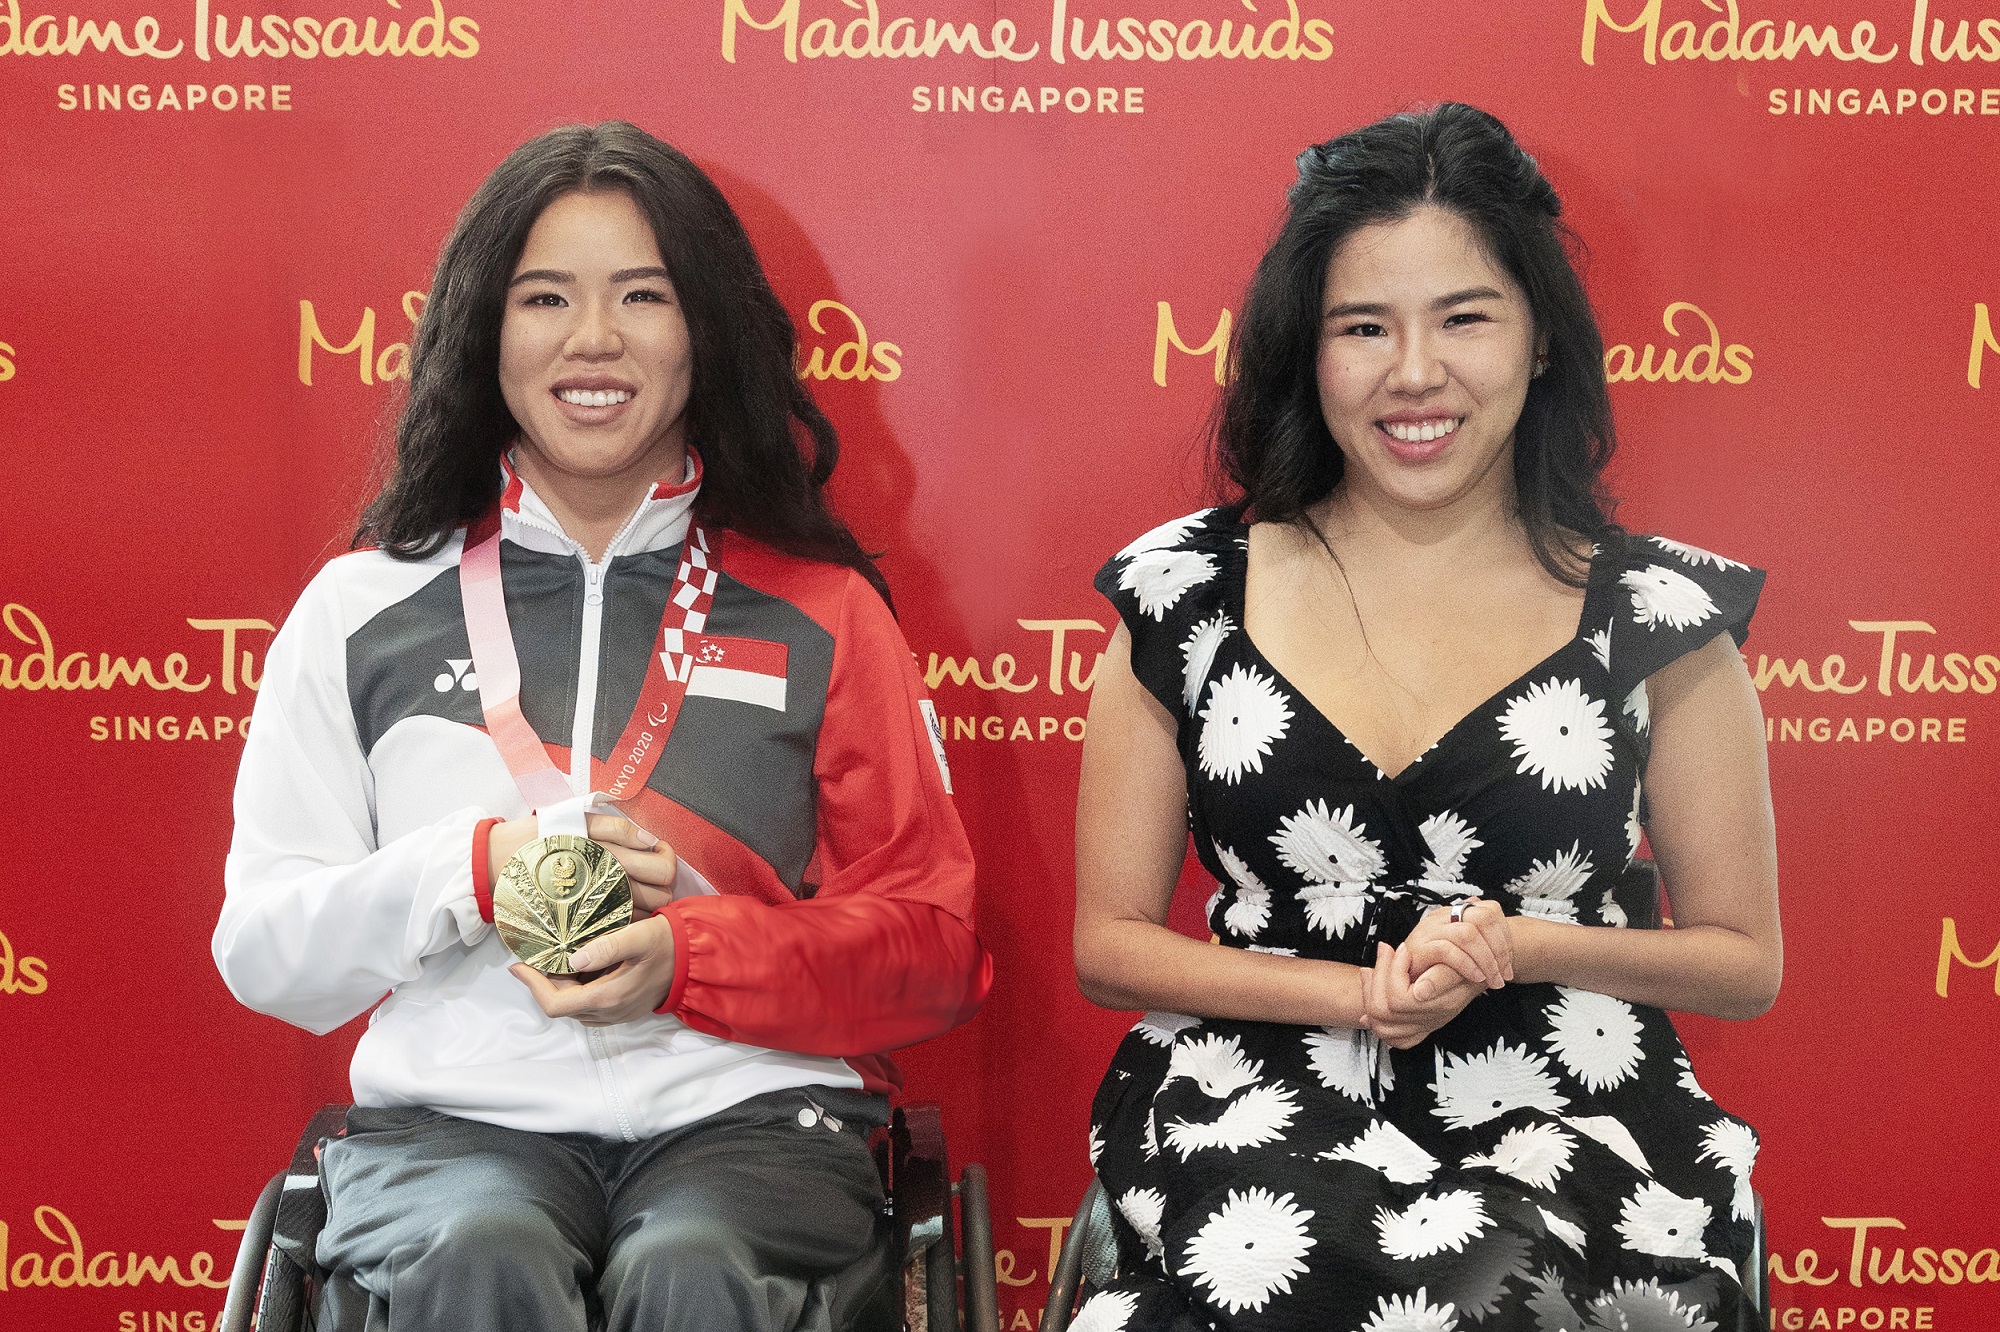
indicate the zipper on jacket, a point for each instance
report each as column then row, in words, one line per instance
column 582, row 724
column 608, row 1078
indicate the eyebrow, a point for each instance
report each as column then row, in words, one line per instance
column 1441, row 303
column 558, row 275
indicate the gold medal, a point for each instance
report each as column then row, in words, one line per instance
column 555, row 895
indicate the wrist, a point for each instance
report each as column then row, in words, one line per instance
column 503, row 840
column 1532, row 939
column 1347, row 998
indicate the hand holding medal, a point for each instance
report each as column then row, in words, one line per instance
column 553, row 894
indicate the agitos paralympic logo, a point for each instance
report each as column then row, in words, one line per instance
column 1070, row 33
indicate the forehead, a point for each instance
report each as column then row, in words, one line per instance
column 1411, row 260
column 579, row 226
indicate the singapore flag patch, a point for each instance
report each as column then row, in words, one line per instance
column 746, row 670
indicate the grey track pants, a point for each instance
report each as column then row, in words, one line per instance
column 738, row 1221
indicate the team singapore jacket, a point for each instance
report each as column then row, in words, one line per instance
column 824, row 909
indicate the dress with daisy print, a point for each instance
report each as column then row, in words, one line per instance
column 1544, row 1162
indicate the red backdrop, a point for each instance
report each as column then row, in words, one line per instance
column 210, row 249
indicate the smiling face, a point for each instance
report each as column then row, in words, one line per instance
column 1426, row 349
column 595, row 362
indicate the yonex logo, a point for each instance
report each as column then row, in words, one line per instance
column 461, row 675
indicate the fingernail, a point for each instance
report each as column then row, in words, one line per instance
column 580, row 960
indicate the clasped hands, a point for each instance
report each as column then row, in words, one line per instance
column 1427, row 980
column 633, row 966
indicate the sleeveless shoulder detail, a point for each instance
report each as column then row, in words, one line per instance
column 1665, row 599
column 1170, row 589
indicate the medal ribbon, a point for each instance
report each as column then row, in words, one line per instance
column 494, row 660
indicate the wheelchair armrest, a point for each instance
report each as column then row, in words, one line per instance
column 919, row 1178
column 240, row 1305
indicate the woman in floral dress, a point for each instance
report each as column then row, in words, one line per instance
column 1419, row 699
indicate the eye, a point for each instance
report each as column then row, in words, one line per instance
column 1363, row 330
column 1466, row 317
column 649, row 294
column 546, row 299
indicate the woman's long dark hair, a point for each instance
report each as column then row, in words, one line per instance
column 766, row 448
column 1269, row 436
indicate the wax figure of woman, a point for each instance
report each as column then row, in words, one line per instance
column 606, row 452
column 1408, row 689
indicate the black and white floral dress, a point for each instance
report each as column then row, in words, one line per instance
column 1544, row 1162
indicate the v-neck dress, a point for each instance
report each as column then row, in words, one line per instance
column 1546, row 1161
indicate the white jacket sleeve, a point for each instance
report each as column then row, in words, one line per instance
column 318, row 921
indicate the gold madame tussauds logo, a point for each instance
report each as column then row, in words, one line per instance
column 1720, row 30
column 26, row 976
column 1708, row 361
column 419, row 31
column 843, row 349
column 861, row 30
column 1881, row 1263
column 1898, row 675
column 1019, row 711
column 70, row 1265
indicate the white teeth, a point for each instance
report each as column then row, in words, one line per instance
column 1424, row 432
column 594, row 397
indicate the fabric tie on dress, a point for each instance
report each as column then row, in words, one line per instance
column 1389, row 914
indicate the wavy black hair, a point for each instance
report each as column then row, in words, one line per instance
column 766, row 448
column 1269, row 438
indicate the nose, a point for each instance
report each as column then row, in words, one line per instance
column 595, row 336
column 1418, row 368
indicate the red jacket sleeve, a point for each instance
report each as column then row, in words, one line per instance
column 883, row 955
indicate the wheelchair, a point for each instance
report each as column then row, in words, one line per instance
column 1089, row 1260
column 925, row 1273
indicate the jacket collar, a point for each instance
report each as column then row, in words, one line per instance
column 659, row 523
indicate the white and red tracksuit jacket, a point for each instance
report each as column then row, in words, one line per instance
column 828, row 915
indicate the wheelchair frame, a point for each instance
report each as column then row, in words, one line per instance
column 275, row 1285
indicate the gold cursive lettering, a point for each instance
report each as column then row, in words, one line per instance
column 1983, row 341
column 855, row 358
column 229, row 629
column 1888, row 629
column 28, row 976
column 868, row 37
column 392, row 363
column 67, row 1267
column 1717, row 364
column 42, row 668
column 1949, row 951
column 1726, row 39
column 1056, row 630
column 1166, row 334
column 1057, row 1226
